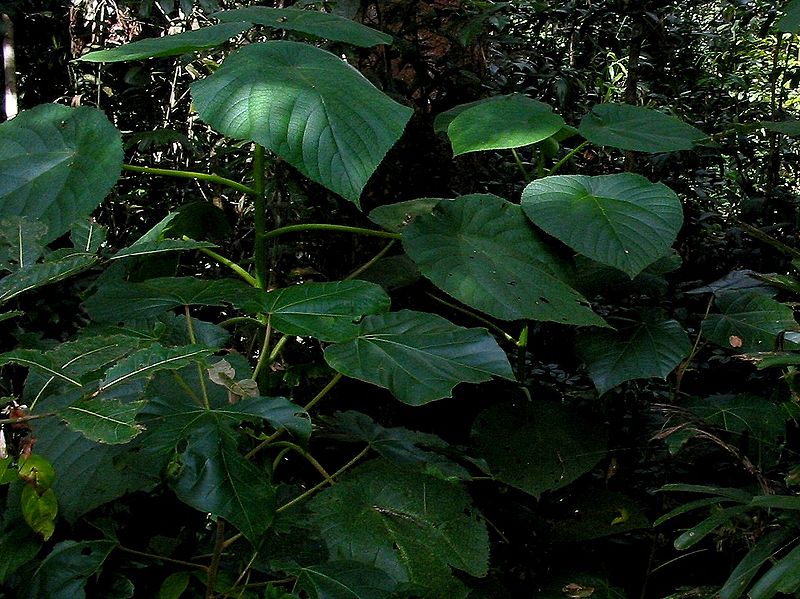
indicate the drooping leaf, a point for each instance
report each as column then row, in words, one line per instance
column 538, row 447
column 306, row 105
column 63, row 574
column 103, row 420
column 698, row 532
column 766, row 547
column 312, row 22
column 736, row 280
column 159, row 247
column 790, row 21
column 38, row 361
column 400, row 446
column 57, row 164
column 148, row 361
column 412, row 526
column 222, row 373
column 419, row 357
column 637, row 128
column 40, row 510
column 484, row 252
column 621, row 220
column 394, row 217
column 748, row 321
column 505, row 122
column 345, row 580
column 170, row 45
column 644, row 350
column 43, row 273
column 327, row 311
column 156, row 296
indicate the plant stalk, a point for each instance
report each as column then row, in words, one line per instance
column 260, row 218
column 167, row 172
column 328, row 227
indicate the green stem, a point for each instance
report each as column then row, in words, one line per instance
column 216, row 557
column 277, row 461
column 193, row 340
column 567, row 158
column 318, row 486
column 477, row 317
column 162, row 558
column 311, row 459
column 273, row 355
column 229, row 263
column 525, row 174
column 371, row 261
column 260, row 218
column 522, row 352
column 148, row 170
column 241, row 320
column 263, row 356
column 327, row 227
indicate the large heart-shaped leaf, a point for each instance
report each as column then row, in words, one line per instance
column 57, row 164
column 639, row 129
column 647, row 349
column 326, row 311
column 306, row 105
column 621, row 220
column 484, row 252
column 410, row 525
column 748, row 321
column 170, row 45
column 312, row 22
column 540, row 446
column 419, row 357
column 504, row 122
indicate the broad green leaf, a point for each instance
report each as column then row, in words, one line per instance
column 419, row 357
column 156, row 296
column 790, row 21
column 505, row 122
column 644, row 350
column 312, row 22
column 63, row 574
column 57, row 164
column 38, row 361
column 698, row 532
column 40, row 510
column 395, row 217
column 170, row 45
column 327, row 311
column 538, row 447
column 766, row 547
column 159, row 247
column 637, row 128
column 43, row 273
column 103, row 420
column 783, row 577
column 400, row 446
column 148, row 361
column 306, row 105
column 748, row 321
column 410, row 525
column 174, row 585
column 345, row 580
column 18, row 546
column 621, row 220
column 22, row 238
column 484, row 252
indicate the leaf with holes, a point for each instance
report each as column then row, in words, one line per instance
column 483, row 251
column 621, row 220
column 103, row 420
column 419, row 357
column 57, row 164
column 753, row 318
column 644, row 350
column 312, row 22
column 639, row 129
column 306, row 105
column 170, row 45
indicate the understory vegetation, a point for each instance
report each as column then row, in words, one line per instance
column 400, row 299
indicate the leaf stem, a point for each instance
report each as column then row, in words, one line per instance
column 241, row 320
column 321, row 484
column 371, row 261
column 200, row 375
column 329, row 227
column 162, row 558
column 167, row 172
column 311, row 459
column 522, row 352
column 566, row 158
column 249, row 279
column 477, row 317
column 260, row 217
column 263, row 355
column 213, row 567
column 525, row 174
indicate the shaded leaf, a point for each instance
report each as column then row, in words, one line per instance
column 483, row 251
column 410, row 525
column 698, row 532
column 637, row 128
column 345, row 580
column 43, row 273
column 538, row 447
column 647, row 349
column 63, row 574
column 174, row 585
column 312, row 22
column 159, row 247
column 752, row 317
column 621, row 220
column 790, row 21
column 22, row 238
column 170, row 45
column 103, row 420
column 38, row 361
column 57, row 164
column 18, row 546
column 504, row 122
column 782, row 577
column 745, row 570
column 87, row 236
column 736, row 280
column 597, row 514
column 395, row 217
column 306, row 105
column 419, row 357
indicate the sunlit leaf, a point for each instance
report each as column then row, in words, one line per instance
column 40, row 510
column 419, row 357
column 103, row 420
column 306, row 105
